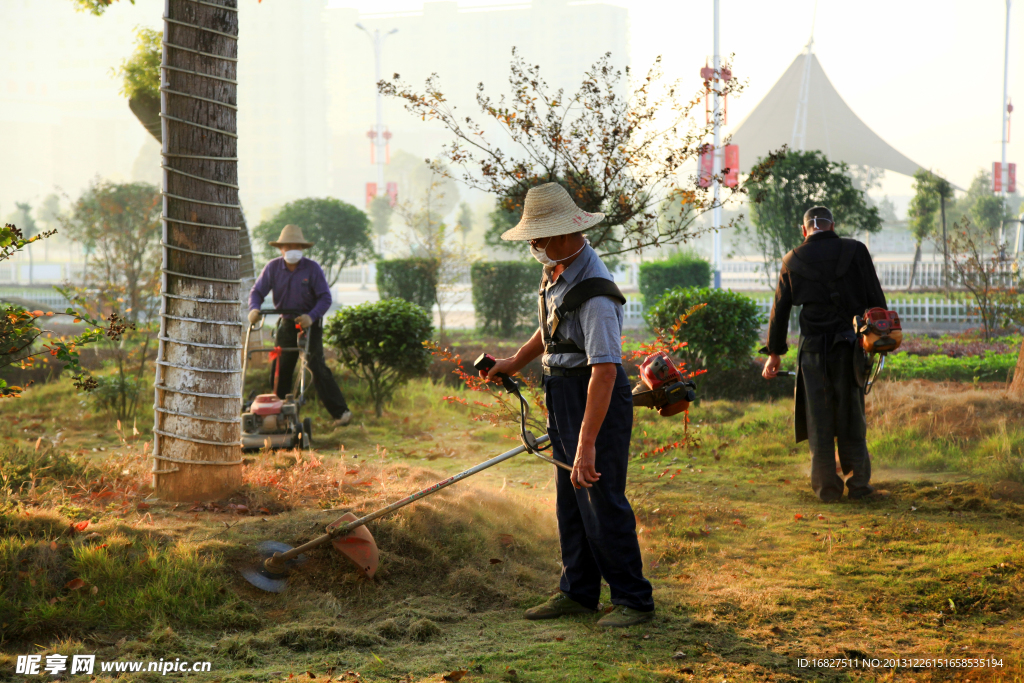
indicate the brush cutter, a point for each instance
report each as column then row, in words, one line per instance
column 349, row 535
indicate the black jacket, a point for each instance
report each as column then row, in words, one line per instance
column 858, row 289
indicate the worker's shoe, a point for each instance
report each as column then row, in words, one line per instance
column 345, row 418
column 558, row 605
column 624, row 616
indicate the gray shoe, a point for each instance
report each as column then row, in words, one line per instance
column 624, row 616
column 345, row 418
column 557, row 605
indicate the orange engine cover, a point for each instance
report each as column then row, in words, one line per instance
column 657, row 370
column 881, row 330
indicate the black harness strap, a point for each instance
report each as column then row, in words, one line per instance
column 581, row 292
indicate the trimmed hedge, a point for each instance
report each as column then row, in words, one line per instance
column 719, row 336
column 412, row 279
column 684, row 269
column 505, row 295
column 381, row 342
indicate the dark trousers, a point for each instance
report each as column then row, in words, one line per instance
column 596, row 526
column 323, row 379
column 834, row 407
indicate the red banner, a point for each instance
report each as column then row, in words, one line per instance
column 1011, row 185
column 997, row 176
column 732, row 166
column 707, row 165
column 371, row 193
column 392, row 194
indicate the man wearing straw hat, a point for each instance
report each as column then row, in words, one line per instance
column 590, row 412
column 299, row 284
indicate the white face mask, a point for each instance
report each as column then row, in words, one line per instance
column 293, row 256
column 542, row 254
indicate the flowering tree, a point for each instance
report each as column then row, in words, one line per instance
column 620, row 154
column 19, row 330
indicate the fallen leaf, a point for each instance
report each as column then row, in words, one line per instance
column 821, row 516
column 81, row 526
column 559, row 638
column 798, row 516
column 495, row 560
column 143, row 506
column 679, row 655
column 74, row 584
column 53, row 545
column 455, row 675
column 94, row 590
column 311, row 674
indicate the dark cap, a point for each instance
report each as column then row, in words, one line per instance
column 818, row 212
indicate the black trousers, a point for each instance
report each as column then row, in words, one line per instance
column 596, row 526
column 834, row 406
column 323, row 379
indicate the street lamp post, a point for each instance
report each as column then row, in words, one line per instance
column 378, row 43
column 716, row 206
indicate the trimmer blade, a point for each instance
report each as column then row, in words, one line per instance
column 264, row 579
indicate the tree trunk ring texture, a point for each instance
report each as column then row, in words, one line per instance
column 184, row 388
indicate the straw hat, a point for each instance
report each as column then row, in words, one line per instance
column 291, row 234
column 550, row 211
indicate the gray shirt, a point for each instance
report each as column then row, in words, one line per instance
column 595, row 327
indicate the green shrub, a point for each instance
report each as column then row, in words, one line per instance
column 685, row 269
column 411, row 279
column 721, row 336
column 382, row 343
column 118, row 393
column 505, row 295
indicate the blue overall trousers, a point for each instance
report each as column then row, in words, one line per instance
column 596, row 526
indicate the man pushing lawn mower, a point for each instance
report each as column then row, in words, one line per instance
column 590, row 412
column 298, row 284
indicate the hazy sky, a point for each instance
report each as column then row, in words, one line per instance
column 927, row 76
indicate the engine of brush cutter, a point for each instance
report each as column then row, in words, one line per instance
column 274, row 422
column 662, row 387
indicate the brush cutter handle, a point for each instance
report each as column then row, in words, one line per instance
column 279, row 559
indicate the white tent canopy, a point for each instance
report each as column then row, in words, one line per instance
column 827, row 124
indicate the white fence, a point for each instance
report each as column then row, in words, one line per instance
column 928, row 310
column 45, row 297
column 750, row 275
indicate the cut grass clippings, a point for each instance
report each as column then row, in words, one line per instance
column 751, row 572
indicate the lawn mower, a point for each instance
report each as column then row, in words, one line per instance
column 267, row 420
column 658, row 388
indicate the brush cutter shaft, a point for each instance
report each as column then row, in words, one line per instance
column 281, row 558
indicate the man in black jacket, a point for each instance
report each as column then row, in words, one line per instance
column 833, row 279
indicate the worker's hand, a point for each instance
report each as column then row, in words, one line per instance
column 771, row 367
column 254, row 316
column 505, row 365
column 583, row 473
column 304, row 321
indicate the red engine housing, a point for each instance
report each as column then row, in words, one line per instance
column 266, row 404
column 658, row 371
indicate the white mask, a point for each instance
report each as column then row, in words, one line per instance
column 542, row 254
column 293, row 256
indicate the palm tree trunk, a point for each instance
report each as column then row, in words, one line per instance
column 197, row 455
